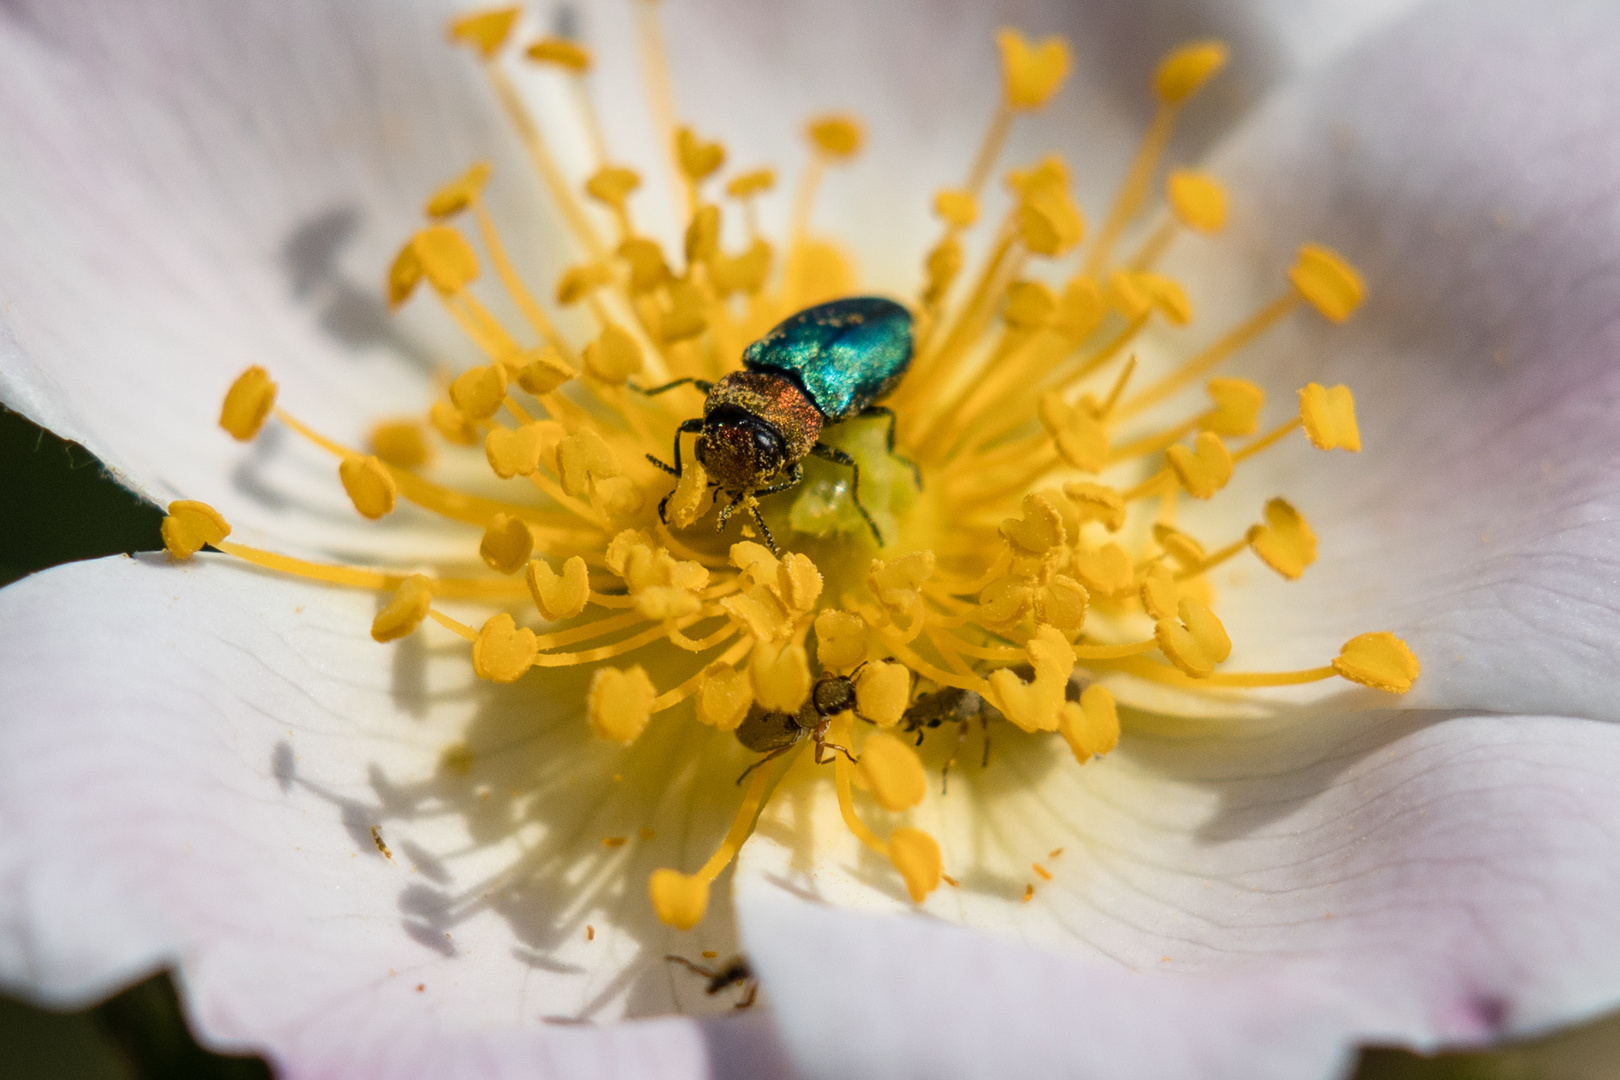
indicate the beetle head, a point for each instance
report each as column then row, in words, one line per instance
column 739, row 451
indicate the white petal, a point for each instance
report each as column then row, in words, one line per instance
column 192, row 761
column 1465, row 163
column 1384, row 877
column 191, row 193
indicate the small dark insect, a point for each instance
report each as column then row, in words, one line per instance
column 732, row 972
column 775, row 733
column 950, row 704
column 824, row 365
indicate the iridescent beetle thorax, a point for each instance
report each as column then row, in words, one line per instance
column 729, row 446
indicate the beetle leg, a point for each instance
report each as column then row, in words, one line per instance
column 698, row 969
column 822, row 746
column 688, row 427
column 778, row 752
column 833, row 454
column 884, row 410
column 795, row 473
column 729, row 509
column 945, row 773
column 702, row 384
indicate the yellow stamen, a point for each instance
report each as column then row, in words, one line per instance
column 1379, row 660
column 248, row 404
column 1285, row 542
column 620, row 703
column 1179, row 76
column 369, row 484
column 882, row 691
column 1091, row 728
column 405, row 611
column 401, row 443
column 838, row 135
column 486, row 31
column 507, row 544
column 1329, row 416
column 503, row 651
column 568, row 55
column 189, row 526
column 892, row 772
column 1204, row 362
column 681, row 900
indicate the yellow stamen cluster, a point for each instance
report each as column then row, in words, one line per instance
column 1039, row 566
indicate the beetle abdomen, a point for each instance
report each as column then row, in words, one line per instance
column 845, row 353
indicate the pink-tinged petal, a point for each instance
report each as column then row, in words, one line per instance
column 192, row 763
column 1466, row 162
column 1228, row 901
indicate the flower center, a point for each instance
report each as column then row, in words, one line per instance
column 965, row 507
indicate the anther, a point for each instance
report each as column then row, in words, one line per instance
column 1324, row 278
column 506, row 545
column 837, row 135
column 612, row 185
column 401, row 443
column 479, row 391
column 1379, row 660
column 619, row 703
column 189, row 526
column 893, row 772
column 568, row 55
column 1204, row 469
column 614, row 356
column 457, row 195
column 369, row 484
column 882, row 690
column 503, row 651
column 841, row 641
column 958, row 209
column 781, row 676
column 447, row 260
column 485, row 31
column 1032, row 73
column 1237, row 407
column 724, row 696
column 1091, row 726
column 754, row 182
column 1329, row 415
column 1285, row 542
column 698, row 159
column 513, row 451
column 559, row 596
column 544, row 372
column 1196, row 641
column 405, row 610
column 248, row 403
column 1197, row 199
column 1183, row 72
column 915, row 855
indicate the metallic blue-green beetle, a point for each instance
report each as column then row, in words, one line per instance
column 824, row 365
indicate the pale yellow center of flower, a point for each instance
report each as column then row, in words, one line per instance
column 1039, row 559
